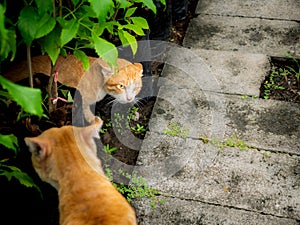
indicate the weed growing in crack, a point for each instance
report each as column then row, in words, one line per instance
column 265, row 154
column 176, row 130
column 233, row 141
column 137, row 187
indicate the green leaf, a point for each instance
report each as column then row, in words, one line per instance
column 149, row 4
column 29, row 99
column 51, row 44
column 130, row 11
column 69, row 31
column 106, row 50
column 140, row 21
column 63, row 52
column 45, row 25
column 163, row 2
column 32, row 25
column 85, row 12
column 27, row 23
column 98, row 29
column 8, row 44
column 137, row 29
column 128, row 39
column 44, row 6
column 7, row 38
column 11, row 171
column 102, row 8
column 123, row 4
column 110, row 26
column 83, row 58
column 75, row 2
column 10, row 141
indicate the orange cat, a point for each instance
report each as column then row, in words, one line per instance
column 123, row 83
column 66, row 158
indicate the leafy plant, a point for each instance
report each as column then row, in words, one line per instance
column 283, row 82
column 109, row 149
column 273, row 83
column 138, row 129
column 30, row 100
column 72, row 27
column 137, row 187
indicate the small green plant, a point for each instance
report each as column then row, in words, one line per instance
column 133, row 114
column 265, row 154
column 248, row 96
column 138, row 129
column 137, row 187
column 273, row 83
column 103, row 130
column 105, row 127
column 235, row 141
column 284, row 81
column 175, row 129
column 109, row 149
column 118, row 119
column 232, row 141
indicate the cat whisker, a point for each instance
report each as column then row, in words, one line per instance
column 112, row 101
column 138, row 102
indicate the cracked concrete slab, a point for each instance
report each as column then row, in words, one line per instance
column 275, row 9
column 250, row 35
column 251, row 180
column 188, row 212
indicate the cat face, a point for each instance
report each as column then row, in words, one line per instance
column 126, row 83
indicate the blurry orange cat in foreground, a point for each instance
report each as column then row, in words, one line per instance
column 66, row 158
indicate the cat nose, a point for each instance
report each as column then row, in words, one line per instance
column 129, row 99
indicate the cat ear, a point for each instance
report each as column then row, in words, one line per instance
column 92, row 130
column 140, row 67
column 37, row 146
column 107, row 72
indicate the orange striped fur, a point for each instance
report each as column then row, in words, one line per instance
column 66, row 158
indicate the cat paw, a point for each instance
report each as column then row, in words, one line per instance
column 97, row 121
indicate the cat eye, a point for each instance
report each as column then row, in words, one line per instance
column 121, row 86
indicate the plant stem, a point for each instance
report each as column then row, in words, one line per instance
column 28, row 50
column 52, row 85
column 52, row 89
column 60, row 8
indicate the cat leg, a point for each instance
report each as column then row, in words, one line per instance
column 88, row 114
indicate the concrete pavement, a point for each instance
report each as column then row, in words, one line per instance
column 218, row 153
